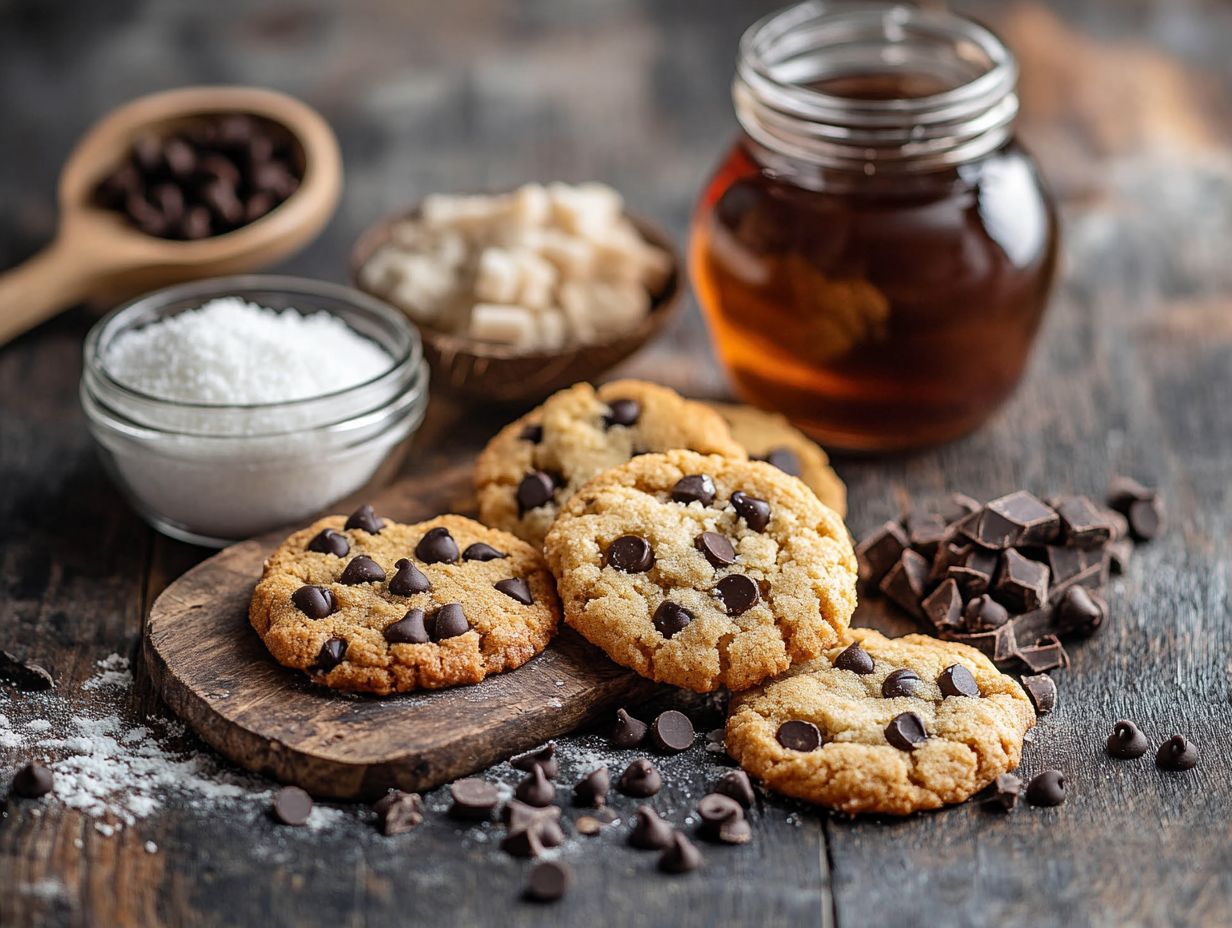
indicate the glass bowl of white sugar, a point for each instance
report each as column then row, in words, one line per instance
column 229, row 407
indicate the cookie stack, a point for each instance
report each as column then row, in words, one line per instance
column 700, row 547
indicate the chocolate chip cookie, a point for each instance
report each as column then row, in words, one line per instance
column 534, row 465
column 883, row 725
column 769, row 437
column 372, row 605
column 703, row 571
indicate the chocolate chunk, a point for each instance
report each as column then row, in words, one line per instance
column 907, row 582
column 398, row 812
column 1177, row 753
column 943, row 607
column 715, row 548
column 1042, row 691
column 33, row 781
column 362, row 569
column 332, row 653
column 901, row 682
column 738, row 593
column 1033, row 522
column 974, row 572
column 410, row 629
column 1146, row 519
column 542, row 757
column 1117, row 522
column 957, row 680
column 437, row 547
column 592, row 789
column 1046, row 788
column 671, row 732
column 1082, row 524
column 365, row 519
column 949, row 554
column 535, row 489
column 536, row 790
column 327, row 541
column 622, row 412
column 25, row 675
column 631, row 554
column 1119, row 553
column 548, row 880
column 628, row 732
column 799, row 735
column 517, row 589
column 449, row 621
column 1127, row 741
column 905, row 731
column 718, row 813
column 1080, row 612
column 1005, row 791
column 473, row 799
column 754, row 511
column 482, row 552
column 785, row 459
column 1046, row 654
column 532, row 434
column 1123, row 492
column 1021, row 584
column 925, row 531
column 957, row 507
column 855, row 659
column 880, row 551
column 640, row 779
column 695, row 488
column 292, row 806
column 409, row 579
column 680, row 856
column 650, row 832
column 999, row 645
column 735, row 784
column 984, row 613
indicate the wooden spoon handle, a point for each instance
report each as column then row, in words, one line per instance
column 43, row 286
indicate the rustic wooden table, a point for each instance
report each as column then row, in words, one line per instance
column 1128, row 105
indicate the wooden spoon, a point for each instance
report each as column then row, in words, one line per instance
column 97, row 252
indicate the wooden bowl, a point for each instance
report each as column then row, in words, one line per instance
column 474, row 370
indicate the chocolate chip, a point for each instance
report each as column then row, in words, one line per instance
column 1127, row 741
column 362, row 569
column 292, row 806
column 907, row 581
column 628, row 732
column 650, row 832
column 718, row 814
column 327, row 541
column 25, row 675
column 799, row 735
column 672, row 732
column 622, row 412
column 880, row 551
column 640, row 779
column 855, row 659
column 473, row 799
column 695, row 488
column 1042, row 691
column 785, row 459
column 517, row 814
column 905, row 731
column 517, row 589
column 532, row 434
column 1046, row 788
column 1080, row 612
column 398, row 812
column 409, row 579
column 735, row 783
column 542, row 757
column 943, row 607
column 1082, row 524
column 437, row 547
column 1123, row 492
column 410, row 629
column 332, row 653
column 669, row 618
column 1021, row 584
column 738, row 593
column 548, row 880
column 680, row 856
column 1005, row 791
column 984, row 613
column 1146, row 519
column 592, row 789
column 631, row 554
column 957, row 680
column 716, row 549
column 482, row 552
column 365, row 519
column 448, row 622
column 754, row 511
column 536, row 790
column 1177, row 753
column 535, row 489
column 33, row 781
column 901, row 682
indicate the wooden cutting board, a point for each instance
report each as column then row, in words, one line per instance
column 214, row 672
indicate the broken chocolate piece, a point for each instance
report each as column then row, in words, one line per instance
column 1042, row 690
column 1005, row 791
column 974, row 572
column 398, row 812
column 1021, row 584
column 907, row 582
column 943, row 607
column 925, row 531
column 957, row 507
column 1082, row 524
column 1046, row 654
column 880, row 551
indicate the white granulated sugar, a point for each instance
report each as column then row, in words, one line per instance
column 231, row 352
column 37, row 726
column 115, row 673
column 151, row 847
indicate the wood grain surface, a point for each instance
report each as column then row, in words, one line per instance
column 1128, row 106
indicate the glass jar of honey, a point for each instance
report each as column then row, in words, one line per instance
column 875, row 252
